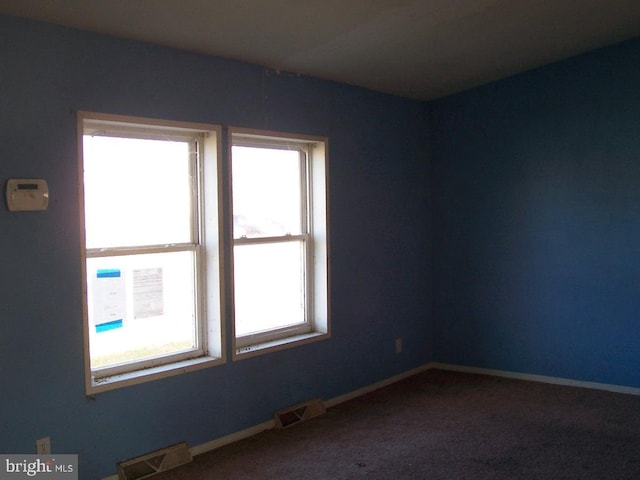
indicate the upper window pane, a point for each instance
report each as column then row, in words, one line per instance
column 266, row 192
column 137, row 191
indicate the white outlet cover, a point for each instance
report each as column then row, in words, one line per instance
column 43, row 446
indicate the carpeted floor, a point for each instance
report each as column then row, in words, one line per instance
column 445, row 426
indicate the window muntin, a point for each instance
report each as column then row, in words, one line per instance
column 146, row 186
column 279, row 240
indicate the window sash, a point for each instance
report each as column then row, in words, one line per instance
column 118, row 130
column 306, row 325
column 301, row 327
column 194, row 179
column 119, row 369
column 304, row 181
column 118, row 251
column 277, row 239
column 199, row 329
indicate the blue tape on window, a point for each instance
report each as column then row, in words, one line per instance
column 104, row 327
column 108, row 273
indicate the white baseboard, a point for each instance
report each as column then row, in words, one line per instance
column 538, row 378
column 222, row 441
column 249, row 432
column 231, row 438
column 370, row 388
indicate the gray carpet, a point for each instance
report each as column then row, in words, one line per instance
column 445, row 426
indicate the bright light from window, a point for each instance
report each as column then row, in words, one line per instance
column 137, row 192
column 269, row 286
column 138, row 195
column 269, row 229
column 266, row 192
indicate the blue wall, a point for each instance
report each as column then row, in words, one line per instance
column 379, row 240
column 536, row 200
column 525, row 190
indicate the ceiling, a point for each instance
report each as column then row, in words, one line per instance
column 421, row 49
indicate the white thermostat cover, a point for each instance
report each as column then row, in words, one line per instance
column 27, row 194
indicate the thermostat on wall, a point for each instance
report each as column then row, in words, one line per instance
column 24, row 194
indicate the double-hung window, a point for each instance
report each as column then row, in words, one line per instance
column 279, row 261
column 151, row 248
column 153, row 245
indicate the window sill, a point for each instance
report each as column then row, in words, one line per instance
column 280, row 344
column 150, row 374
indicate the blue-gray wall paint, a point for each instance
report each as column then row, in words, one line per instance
column 496, row 228
column 379, row 242
column 536, row 201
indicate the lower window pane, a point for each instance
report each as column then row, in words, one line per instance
column 269, row 286
column 140, row 307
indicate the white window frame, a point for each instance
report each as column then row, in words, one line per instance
column 206, row 245
column 314, row 180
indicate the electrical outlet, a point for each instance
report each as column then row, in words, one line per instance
column 398, row 345
column 43, row 446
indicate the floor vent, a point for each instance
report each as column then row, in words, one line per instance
column 290, row 416
column 154, row 462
